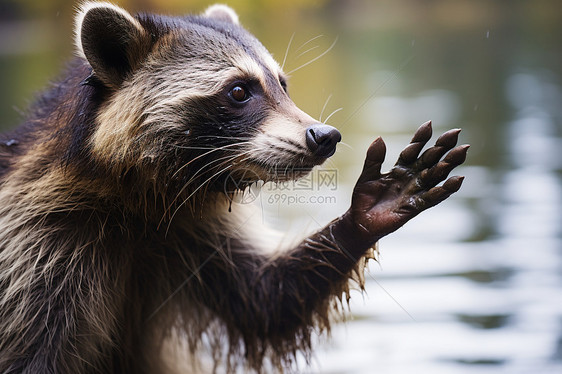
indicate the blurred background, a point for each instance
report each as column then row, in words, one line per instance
column 472, row 286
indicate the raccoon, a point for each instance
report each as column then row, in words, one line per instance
column 117, row 238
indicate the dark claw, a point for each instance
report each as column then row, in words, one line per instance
column 373, row 161
column 453, row 184
column 448, row 139
column 437, row 194
column 411, row 152
column 423, row 133
column 376, row 151
column 437, row 173
column 457, row 155
column 443, row 144
column 431, row 156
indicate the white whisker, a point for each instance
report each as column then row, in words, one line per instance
column 316, row 58
column 207, row 165
column 346, row 145
column 196, row 148
column 287, row 51
column 224, row 147
column 223, row 137
column 324, row 107
column 331, row 114
column 308, row 50
column 221, row 162
column 193, row 193
column 309, row 41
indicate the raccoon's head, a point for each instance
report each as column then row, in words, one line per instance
column 193, row 99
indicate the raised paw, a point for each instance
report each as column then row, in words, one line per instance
column 382, row 203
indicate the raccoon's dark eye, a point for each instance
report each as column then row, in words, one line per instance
column 239, row 93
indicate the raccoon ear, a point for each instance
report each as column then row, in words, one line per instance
column 113, row 42
column 222, row 12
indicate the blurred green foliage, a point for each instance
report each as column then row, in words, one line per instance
column 384, row 48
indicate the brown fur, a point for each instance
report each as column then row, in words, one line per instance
column 109, row 246
column 117, row 238
column 118, row 244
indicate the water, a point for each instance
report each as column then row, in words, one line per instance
column 447, row 298
column 472, row 286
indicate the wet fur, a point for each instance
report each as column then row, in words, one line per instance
column 111, row 245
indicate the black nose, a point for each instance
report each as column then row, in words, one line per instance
column 322, row 139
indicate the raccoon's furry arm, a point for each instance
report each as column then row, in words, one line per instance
column 295, row 291
column 381, row 204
